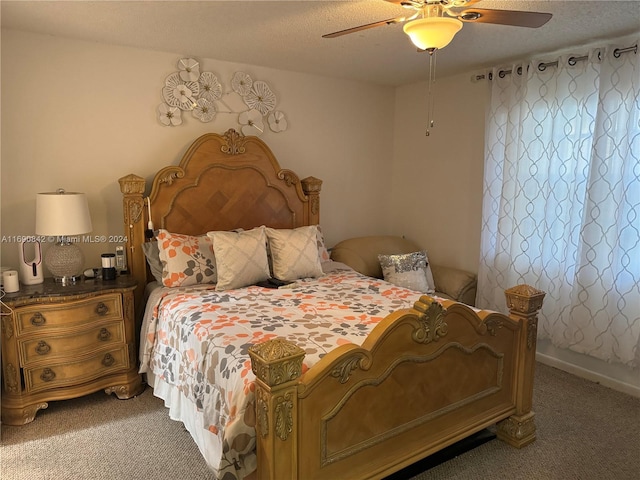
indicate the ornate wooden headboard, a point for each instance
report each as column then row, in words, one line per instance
column 222, row 182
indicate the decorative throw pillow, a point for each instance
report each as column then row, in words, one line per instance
column 241, row 258
column 323, row 253
column 152, row 254
column 294, row 252
column 186, row 259
column 408, row 270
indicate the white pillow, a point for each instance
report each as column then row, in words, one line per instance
column 241, row 258
column 408, row 270
column 294, row 252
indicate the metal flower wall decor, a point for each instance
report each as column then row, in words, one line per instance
column 189, row 90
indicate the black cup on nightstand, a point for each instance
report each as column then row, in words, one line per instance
column 108, row 266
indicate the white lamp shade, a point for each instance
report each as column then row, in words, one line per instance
column 62, row 214
column 434, row 32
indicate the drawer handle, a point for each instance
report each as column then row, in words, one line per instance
column 108, row 360
column 38, row 319
column 47, row 375
column 42, row 348
column 104, row 335
column 102, row 309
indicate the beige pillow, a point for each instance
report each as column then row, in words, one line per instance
column 294, row 253
column 241, row 258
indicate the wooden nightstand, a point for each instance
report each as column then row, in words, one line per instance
column 61, row 342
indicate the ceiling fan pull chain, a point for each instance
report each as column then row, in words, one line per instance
column 431, row 88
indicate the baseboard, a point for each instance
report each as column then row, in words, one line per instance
column 588, row 375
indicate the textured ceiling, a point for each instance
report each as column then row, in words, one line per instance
column 287, row 35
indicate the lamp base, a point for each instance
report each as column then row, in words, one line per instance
column 65, row 262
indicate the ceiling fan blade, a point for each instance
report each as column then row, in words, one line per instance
column 515, row 18
column 364, row 27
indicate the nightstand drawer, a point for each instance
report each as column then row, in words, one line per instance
column 78, row 371
column 37, row 318
column 55, row 347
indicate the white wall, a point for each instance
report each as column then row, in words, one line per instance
column 437, row 182
column 80, row 115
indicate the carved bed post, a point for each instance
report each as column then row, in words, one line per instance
column 523, row 302
column 132, row 188
column 311, row 187
column 277, row 365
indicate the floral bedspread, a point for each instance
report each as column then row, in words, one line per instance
column 197, row 339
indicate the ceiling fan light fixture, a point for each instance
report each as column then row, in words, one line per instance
column 433, row 32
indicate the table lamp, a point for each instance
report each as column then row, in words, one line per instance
column 62, row 215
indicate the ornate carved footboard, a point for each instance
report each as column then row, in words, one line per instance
column 425, row 378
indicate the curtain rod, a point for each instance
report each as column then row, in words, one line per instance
column 543, row 66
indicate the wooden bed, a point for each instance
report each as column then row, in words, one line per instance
column 424, row 378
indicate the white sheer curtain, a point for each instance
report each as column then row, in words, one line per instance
column 561, row 206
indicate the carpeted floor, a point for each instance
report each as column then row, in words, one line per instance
column 585, row 431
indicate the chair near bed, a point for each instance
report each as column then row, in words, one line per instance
column 361, row 254
column 425, row 377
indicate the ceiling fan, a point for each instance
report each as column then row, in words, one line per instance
column 432, row 24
